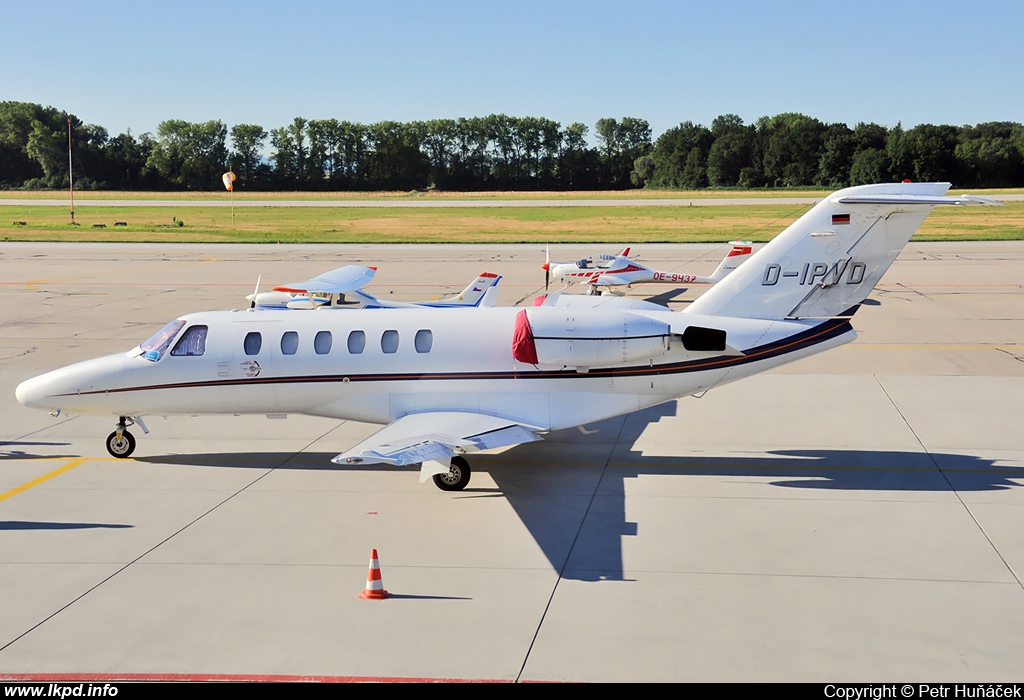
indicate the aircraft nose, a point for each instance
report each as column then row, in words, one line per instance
column 31, row 392
column 546, row 266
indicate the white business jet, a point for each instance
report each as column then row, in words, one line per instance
column 620, row 270
column 329, row 290
column 450, row 382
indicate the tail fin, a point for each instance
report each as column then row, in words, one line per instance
column 471, row 295
column 828, row 260
column 740, row 251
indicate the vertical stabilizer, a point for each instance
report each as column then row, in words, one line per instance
column 471, row 295
column 738, row 253
column 829, row 259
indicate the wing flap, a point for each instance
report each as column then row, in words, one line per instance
column 436, row 437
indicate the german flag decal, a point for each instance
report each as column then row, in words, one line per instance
column 840, row 219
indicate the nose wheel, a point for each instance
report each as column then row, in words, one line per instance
column 120, row 443
column 457, row 477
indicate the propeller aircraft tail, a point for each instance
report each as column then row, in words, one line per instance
column 740, row 251
column 473, row 295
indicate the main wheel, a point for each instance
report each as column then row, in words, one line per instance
column 457, row 477
column 122, row 447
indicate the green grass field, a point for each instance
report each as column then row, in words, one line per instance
column 617, row 224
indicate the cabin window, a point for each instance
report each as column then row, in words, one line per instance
column 289, row 343
column 253, row 343
column 154, row 348
column 356, row 342
column 424, row 340
column 322, row 342
column 389, row 342
column 192, row 343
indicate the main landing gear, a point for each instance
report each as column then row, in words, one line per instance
column 121, row 443
column 457, row 477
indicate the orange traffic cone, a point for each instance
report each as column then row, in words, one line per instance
column 374, row 585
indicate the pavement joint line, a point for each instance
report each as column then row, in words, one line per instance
column 956, row 493
column 15, row 441
column 568, row 555
column 148, row 551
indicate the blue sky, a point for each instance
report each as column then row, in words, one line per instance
column 132, row 65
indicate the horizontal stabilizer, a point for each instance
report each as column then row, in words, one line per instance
column 962, row 200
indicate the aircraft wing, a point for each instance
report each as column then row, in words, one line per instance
column 339, row 281
column 433, row 438
column 612, row 280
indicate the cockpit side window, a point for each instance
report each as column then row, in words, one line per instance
column 154, row 348
column 192, row 343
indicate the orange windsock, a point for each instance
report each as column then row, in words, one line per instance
column 229, row 181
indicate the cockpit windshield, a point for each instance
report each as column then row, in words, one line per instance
column 154, row 348
column 603, row 263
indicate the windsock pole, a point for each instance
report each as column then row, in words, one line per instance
column 229, row 182
column 71, row 175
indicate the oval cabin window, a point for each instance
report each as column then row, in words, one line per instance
column 253, row 343
column 389, row 342
column 424, row 341
column 356, row 342
column 289, row 343
column 322, row 342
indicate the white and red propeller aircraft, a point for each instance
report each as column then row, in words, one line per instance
column 619, row 270
column 446, row 383
column 330, row 289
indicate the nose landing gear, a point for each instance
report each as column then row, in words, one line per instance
column 121, row 443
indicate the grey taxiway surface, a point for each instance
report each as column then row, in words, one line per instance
column 858, row 515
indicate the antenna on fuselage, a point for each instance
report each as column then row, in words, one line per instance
column 255, row 292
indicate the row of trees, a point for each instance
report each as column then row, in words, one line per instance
column 499, row 152
column 792, row 150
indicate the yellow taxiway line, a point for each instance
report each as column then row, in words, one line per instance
column 45, row 477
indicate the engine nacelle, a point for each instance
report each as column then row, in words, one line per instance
column 583, row 338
